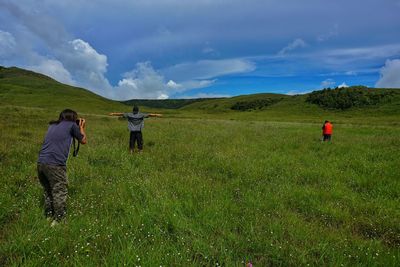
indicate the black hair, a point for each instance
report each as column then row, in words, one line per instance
column 135, row 109
column 66, row 115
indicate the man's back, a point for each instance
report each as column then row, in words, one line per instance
column 135, row 121
column 328, row 128
column 56, row 145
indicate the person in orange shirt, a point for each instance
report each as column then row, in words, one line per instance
column 327, row 129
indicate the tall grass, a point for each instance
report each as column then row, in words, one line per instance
column 205, row 192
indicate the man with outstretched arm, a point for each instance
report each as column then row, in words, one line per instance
column 135, row 126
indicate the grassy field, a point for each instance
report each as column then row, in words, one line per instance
column 210, row 189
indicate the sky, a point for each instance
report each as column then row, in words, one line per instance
column 159, row 49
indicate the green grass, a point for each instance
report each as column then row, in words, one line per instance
column 210, row 188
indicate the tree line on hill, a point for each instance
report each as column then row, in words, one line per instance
column 254, row 104
column 345, row 98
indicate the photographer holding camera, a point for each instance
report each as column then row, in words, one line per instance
column 53, row 156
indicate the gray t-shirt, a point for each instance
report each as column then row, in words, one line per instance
column 57, row 143
column 135, row 121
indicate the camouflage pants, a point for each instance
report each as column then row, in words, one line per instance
column 55, row 184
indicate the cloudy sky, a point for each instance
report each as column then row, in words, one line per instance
column 124, row 49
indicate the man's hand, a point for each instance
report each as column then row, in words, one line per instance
column 155, row 115
column 82, row 126
column 82, row 123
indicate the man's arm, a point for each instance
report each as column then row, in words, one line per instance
column 154, row 115
column 82, row 126
column 116, row 114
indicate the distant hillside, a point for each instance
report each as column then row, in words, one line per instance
column 352, row 97
column 239, row 103
column 14, row 72
column 19, row 87
column 164, row 103
column 333, row 99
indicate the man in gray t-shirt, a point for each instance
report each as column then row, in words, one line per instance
column 135, row 126
column 135, row 120
column 57, row 142
column 53, row 156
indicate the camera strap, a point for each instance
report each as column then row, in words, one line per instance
column 76, row 149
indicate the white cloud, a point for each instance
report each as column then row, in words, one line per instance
column 87, row 57
column 142, row 82
column 162, row 96
column 7, row 44
column 206, row 69
column 9, row 47
column 208, row 50
column 187, row 85
column 390, row 75
column 343, row 85
column 204, row 95
column 329, row 35
column 77, row 63
column 86, row 65
column 366, row 52
column 328, row 83
column 173, row 85
column 54, row 69
column 195, row 84
column 294, row 92
column 297, row 43
column 351, row 73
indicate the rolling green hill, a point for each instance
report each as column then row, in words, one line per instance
column 20, row 87
column 24, row 88
column 354, row 104
column 227, row 104
column 340, row 99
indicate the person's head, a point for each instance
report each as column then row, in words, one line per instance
column 66, row 115
column 135, row 109
column 326, row 121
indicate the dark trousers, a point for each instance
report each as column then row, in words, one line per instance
column 327, row 137
column 55, row 184
column 136, row 136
